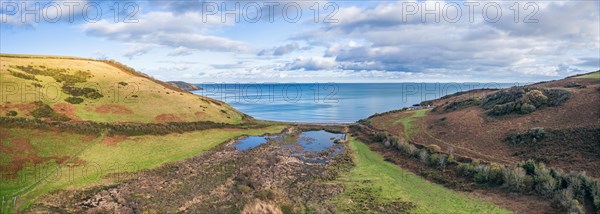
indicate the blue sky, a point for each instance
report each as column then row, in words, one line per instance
column 368, row 41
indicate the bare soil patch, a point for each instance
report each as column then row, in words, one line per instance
column 66, row 109
column 113, row 109
column 165, row 118
column 113, row 140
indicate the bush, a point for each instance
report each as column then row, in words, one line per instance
column 442, row 162
column 545, row 184
column 526, row 108
column 468, row 169
column 433, row 160
column 90, row 93
column 529, row 167
column 22, row 75
column 11, row 113
column 482, row 173
column 522, row 100
column 435, row 148
column 74, row 100
column 514, row 178
column 423, row 155
column 44, row 111
column 531, row 136
column 567, row 201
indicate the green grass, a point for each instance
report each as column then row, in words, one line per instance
column 46, row 145
column 407, row 122
column 105, row 164
column 387, row 182
column 593, row 75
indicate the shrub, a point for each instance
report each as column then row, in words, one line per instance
column 412, row 150
column 545, row 184
column 443, row 160
column 394, row 140
column 482, row 174
column 526, row 108
column 495, row 176
column 433, row 160
column 74, row 100
column 531, row 136
column 44, row 111
column 536, row 98
column 123, row 83
column 90, row 93
column 451, row 158
column 514, row 178
column 567, row 201
column 22, row 75
column 529, row 167
column 522, row 100
column 468, row 169
column 423, row 155
column 435, row 148
column 11, row 113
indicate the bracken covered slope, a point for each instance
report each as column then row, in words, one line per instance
column 555, row 122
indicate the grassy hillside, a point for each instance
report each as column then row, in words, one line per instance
column 376, row 181
column 77, row 89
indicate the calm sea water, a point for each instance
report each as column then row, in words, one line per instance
column 332, row 102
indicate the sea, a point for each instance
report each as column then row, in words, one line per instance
column 329, row 102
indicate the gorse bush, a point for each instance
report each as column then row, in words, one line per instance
column 22, row 75
column 90, row 93
column 74, row 100
column 522, row 100
column 58, row 74
column 531, row 136
column 11, row 113
column 44, row 111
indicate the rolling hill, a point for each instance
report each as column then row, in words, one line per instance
column 79, row 89
column 554, row 122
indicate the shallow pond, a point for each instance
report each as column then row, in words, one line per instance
column 308, row 146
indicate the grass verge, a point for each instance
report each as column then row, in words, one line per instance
column 374, row 181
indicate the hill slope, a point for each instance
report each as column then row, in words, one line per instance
column 79, row 89
column 555, row 122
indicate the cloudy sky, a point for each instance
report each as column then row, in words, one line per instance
column 316, row 41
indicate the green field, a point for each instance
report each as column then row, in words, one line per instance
column 593, row 75
column 101, row 163
column 386, row 183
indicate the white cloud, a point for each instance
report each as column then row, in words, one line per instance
column 183, row 32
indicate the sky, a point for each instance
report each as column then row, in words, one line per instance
column 316, row 41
